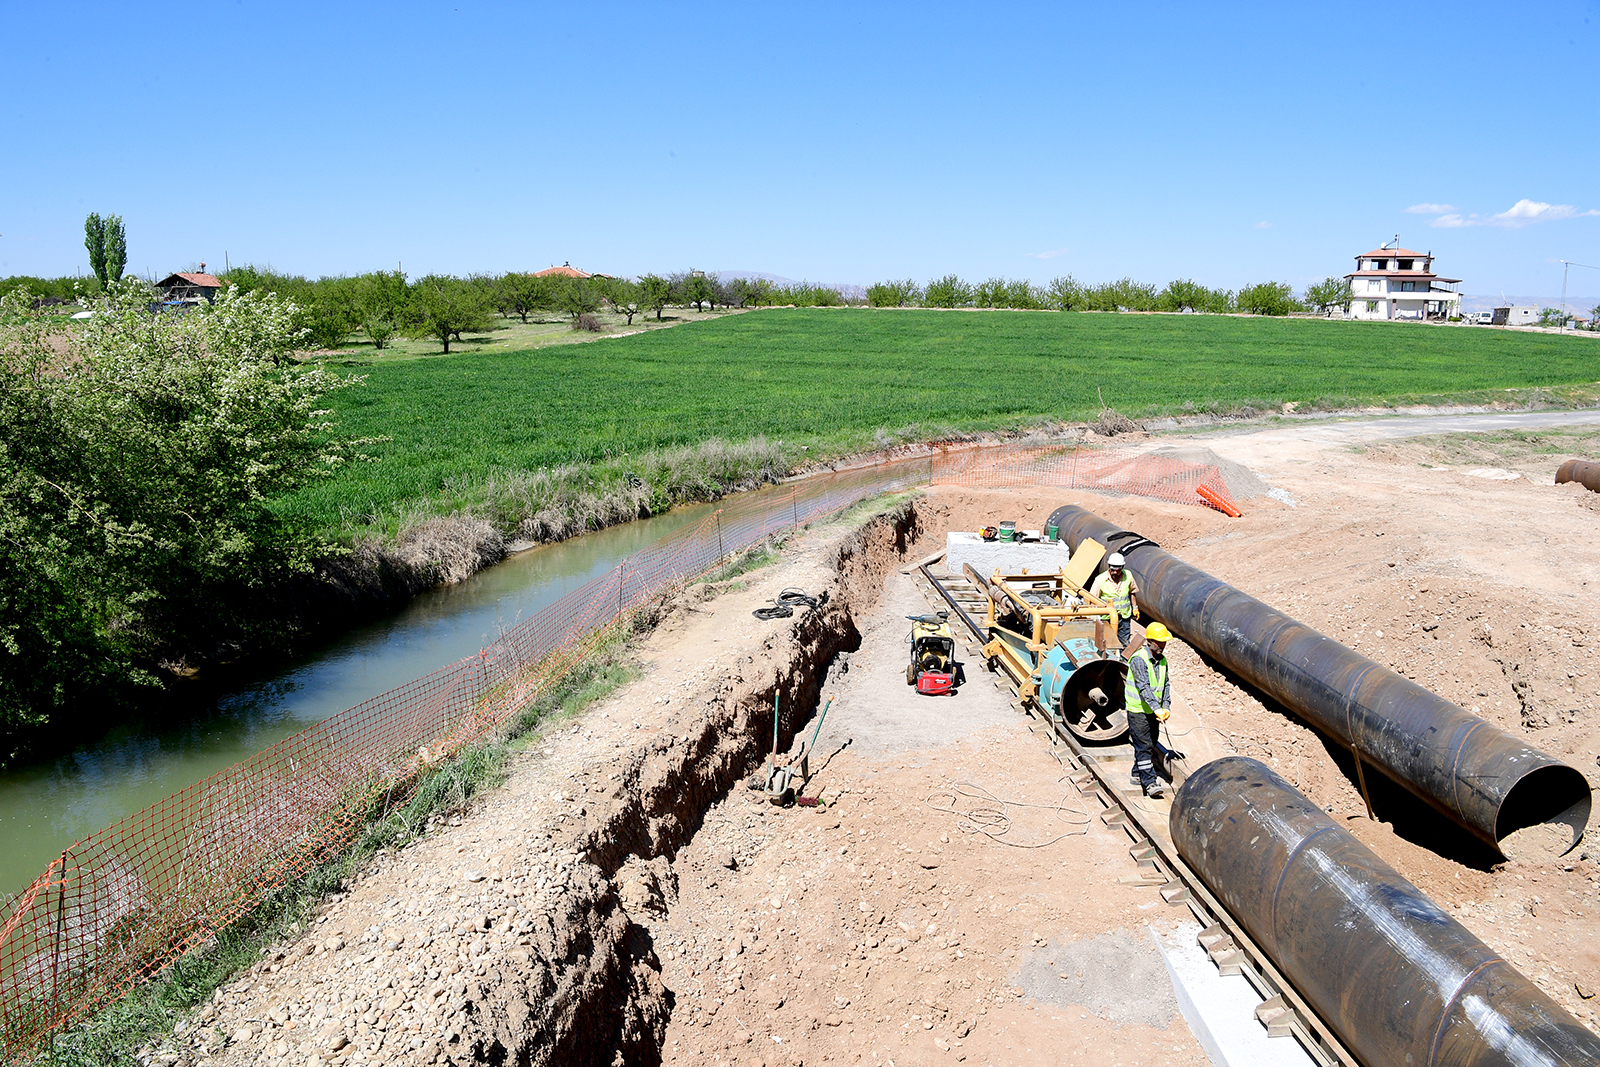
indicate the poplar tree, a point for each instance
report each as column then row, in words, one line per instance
column 107, row 245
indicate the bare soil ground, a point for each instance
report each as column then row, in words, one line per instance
column 625, row 898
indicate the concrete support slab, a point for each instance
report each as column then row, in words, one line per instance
column 1221, row 1010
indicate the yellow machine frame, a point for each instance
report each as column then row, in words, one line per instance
column 1044, row 622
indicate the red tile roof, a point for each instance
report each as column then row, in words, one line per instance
column 566, row 270
column 1393, row 253
column 206, row 281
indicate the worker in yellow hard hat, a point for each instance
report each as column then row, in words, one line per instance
column 1147, row 699
column 1116, row 587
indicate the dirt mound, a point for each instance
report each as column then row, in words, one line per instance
column 1242, row 482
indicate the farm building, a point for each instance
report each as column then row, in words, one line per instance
column 188, row 287
column 1397, row 283
column 1516, row 315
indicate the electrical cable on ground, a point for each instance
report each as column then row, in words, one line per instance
column 993, row 820
column 784, row 606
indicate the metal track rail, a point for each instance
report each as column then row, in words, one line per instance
column 1094, row 773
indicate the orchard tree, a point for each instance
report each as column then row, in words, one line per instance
column 443, row 308
column 1267, row 298
column 1330, row 293
column 623, row 296
column 1184, row 294
column 947, row 292
column 1065, row 294
column 655, row 292
column 697, row 289
column 579, row 298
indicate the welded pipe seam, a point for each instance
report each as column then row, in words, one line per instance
column 1390, row 972
column 1478, row 775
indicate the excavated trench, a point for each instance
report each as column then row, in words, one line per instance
column 588, row 989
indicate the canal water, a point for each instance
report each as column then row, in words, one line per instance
column 49, row 806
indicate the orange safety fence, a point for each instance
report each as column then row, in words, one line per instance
column 127, row 901
column 1074, row 465
column 124, row 903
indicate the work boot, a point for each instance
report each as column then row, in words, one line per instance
column 1155, row 790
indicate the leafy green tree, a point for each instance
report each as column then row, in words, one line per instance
column 1330, row 293
column 697, row 289
column 1124, row 294
column 947, row 292
column 623, row 296
column 1065, row 294
column 578, row 297
column 443, row 308
column 1183, row 294
column 751, row 292
column 894, row 294
column 108, row 247
column 655, row 292
column 521, row 294
column 1267, row 298
column 135, row 486
column 383, row 301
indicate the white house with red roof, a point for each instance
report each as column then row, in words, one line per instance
column 1396, row 283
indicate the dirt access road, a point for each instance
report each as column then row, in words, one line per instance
column 624, row 899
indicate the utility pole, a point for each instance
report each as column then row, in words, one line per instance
column 1566, row 267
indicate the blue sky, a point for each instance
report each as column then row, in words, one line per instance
column 840, row 143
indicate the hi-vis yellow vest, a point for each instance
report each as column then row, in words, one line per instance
column 1119, row 593
column 1157, row 673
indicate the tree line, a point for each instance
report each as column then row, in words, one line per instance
column 1066, row 293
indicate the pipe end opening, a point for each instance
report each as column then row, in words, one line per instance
column 1544, row 816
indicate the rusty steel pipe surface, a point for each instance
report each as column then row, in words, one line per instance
column 1585, row 472
column 1477, row 774
column 1395, row 977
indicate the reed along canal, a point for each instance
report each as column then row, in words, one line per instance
column 46, row 807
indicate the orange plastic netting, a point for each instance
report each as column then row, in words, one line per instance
column 127, row 901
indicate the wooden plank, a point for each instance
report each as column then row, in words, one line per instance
column 1088, row 556
column 935, row 558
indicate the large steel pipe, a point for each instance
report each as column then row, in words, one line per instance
column 1477, row 774
column 1582, row 471
column 1391, row 973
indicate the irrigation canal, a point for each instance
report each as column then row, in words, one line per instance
column 49, row 806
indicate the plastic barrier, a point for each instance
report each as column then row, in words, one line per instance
column 1080, row 466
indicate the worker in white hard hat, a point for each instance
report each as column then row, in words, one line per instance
column 1116, row 587
column 1147, row 699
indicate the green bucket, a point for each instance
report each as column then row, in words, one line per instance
column 1052, row 532
column 1008, row 531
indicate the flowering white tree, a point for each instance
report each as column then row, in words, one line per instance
column 139, row 457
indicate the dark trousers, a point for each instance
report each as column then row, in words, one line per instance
column 1124, row 634
column 1142, row 732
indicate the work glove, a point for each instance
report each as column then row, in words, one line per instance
column 1136, row 613
column 1163, row 714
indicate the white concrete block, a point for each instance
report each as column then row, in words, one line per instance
column 1221, row 1010
column 1043, row 557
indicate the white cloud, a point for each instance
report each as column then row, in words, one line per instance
column 1429, row 209
column 1263, row 225
column 1052, row 254
column 1525, row 211
column 1518, row 215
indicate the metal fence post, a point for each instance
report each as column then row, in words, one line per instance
column 720, row 550
column 620, row 580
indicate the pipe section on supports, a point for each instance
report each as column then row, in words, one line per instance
column 1477, row 774
column 1394, row 976
column 1582, row 471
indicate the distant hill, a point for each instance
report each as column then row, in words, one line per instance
column 1579, row 304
